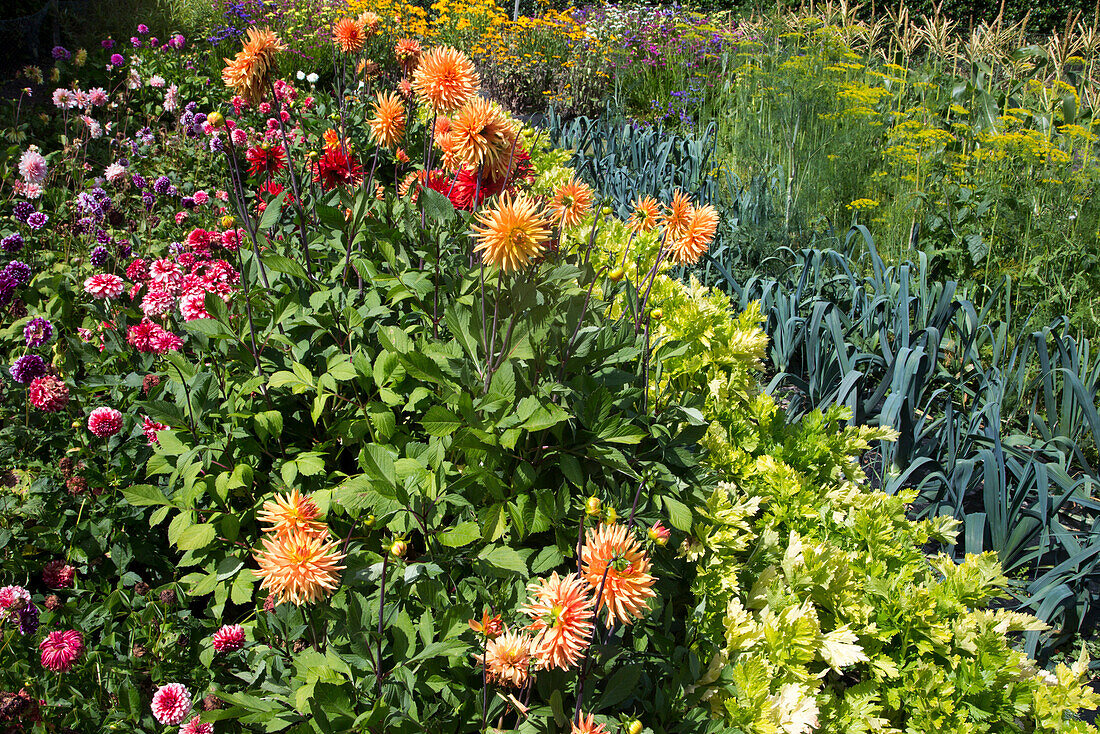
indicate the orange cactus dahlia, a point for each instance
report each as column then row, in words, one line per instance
column 349, row 35
column 676, row 218
column 628, row 583
column 445, row 79
column 481, row 135
column 645, row 216
column 561, row 615
column 507, row 659
column 249, row 73
column 299, row 567
column 387, row 126
column 571, row 203
column 511, row 233
column 697, row 236
column 587, row 725
column 291, row 513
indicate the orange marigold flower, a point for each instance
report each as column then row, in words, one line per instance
column 290, row 513
column 645, row 215
column 388, row 123
column 571, row 203
column 587, row 725
column 249, row 73
column 481, row 136
column 561, row 612
column 628, row 583
column 445, row 79
column 507, row 659
column 299, row 567
column 349, row 35
column 490, row 627
column 676, row 218
column 511, row 233
column 697, row 236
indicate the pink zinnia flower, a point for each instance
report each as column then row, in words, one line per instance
column 48, row 394
column 151, row 428
column 197, row 726
column 229, row 638
column 105, row 422
column 61, row 649
column 58, row 575
column 104, row 285
column 32, row 166
column 171, row 703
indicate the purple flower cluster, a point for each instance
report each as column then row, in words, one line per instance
column 161, row 185
column 99, row 257
column 37, row 332
column 23, row 209
column 37, row 220
column 12, row 244
column 27, row 369
column 60, row 53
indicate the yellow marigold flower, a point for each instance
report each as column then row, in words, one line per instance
column 481, row 136
column 445, row 79
column 645, row 215
column 349, row 35
column 571, row 203
column 511, row 233
column 292, row 512
column 299, row 567
column 561, row 612
column 387, row 126
column 507, row 659
column 698, row 233
column 628, row 584
column 675, row 219
column 249, row 73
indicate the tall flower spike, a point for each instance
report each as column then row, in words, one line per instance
column 511, row 233
column 299, row 568
column 249, row 73
column 290, row 513
column 387, row 126
column 628, row 583
column 445, row 79
column 697, row 236
column 561, row 615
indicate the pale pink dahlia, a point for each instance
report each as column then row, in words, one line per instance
column 105, row 422
column 61, row 649
column 48, row 394
column 229, row 638
column 32, row 166
column 171, row 703
column 197, row 726
column 104, row 285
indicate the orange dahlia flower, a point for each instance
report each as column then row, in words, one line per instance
column 370, row 21
column 561, row 612
column 676, row 218
column 482, row 136
column 645, row 215
column 349, row 35
column 507, row 659
column 445, row 79
column 291, row 513
column 388, row 123
column 511, row 233
column 587, row 725
column 628, row 583
column 697, row 236
column 332, row 139
column 299, row 567
column 490, row 627
column 571, row 203
column 407, row 51
column 249, row 73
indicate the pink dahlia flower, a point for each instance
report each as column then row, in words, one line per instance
column 151, row 428
column 48, row 394
column 197, row 726
column 9, row 595
column 61, row 649
column 32, row 166
column 58, row 575
column 104, row 285
column 171, row 703
column 105, row 422
column 229, row 638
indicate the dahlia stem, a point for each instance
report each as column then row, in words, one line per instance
column 580, row 321
column 381, row 609
column 293, row 181
column 588, row 649
column 637, row 494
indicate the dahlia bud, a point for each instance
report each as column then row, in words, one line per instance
column 398, row 549
column 211, row 703
column 168, row 597
column 141, row 588
column 634, row 727
column 138, row 651
column 215, row 119
column 369, row 522
column 269, row 604
column 616, row 275
column 52, row 602
column 656, row 314
column 592, row 506
column 659, row 534
column 612, row 516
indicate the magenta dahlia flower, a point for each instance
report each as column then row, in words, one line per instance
column 171, row 703
column 58, row 575
column 105, row 422
column 197, row 726
column 229, row 638
column 48, row 393
column 104, row 285
column 61, row 649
